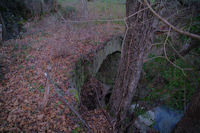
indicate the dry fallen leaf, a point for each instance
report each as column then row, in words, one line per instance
column 40, row 117
column 27, row 60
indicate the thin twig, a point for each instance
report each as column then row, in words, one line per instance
column 166, row 53
column 155, row 44
column 149, row 59
column 105, row 114
column 176, row 51
column 57, row 90
column 46, row 95
column 96, row 20
column 135, row 13
column 195, row 36
column 104, row 20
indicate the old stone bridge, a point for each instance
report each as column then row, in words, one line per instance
column 90, row 64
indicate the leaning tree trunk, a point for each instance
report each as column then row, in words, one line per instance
column 136, row 45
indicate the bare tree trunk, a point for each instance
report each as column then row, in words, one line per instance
column 85, row 8
column 110, row 8
column 137, row 44
column 4, row 32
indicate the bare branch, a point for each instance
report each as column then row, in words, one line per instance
column 166, row 53
column 149, row 59
column 177, row 53
column 107, row 117
column 104, row 20
column 195, row 36
column 61, row 97
column 46, row 96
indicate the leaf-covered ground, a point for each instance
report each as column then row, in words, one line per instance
column 48, row 44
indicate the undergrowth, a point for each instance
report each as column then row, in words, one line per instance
column 168, row 83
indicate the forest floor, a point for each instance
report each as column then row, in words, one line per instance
column 48, row 43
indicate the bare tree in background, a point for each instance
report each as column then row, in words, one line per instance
column 85, row 8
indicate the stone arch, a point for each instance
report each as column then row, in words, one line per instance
column 108, row 70
column 89, row 65
column 109, row 48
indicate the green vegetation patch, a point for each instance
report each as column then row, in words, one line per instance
column 168, row 83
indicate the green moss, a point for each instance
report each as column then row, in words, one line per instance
column 139, row 111
column 21, row 22
column 76, row 94
column 76, row 130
